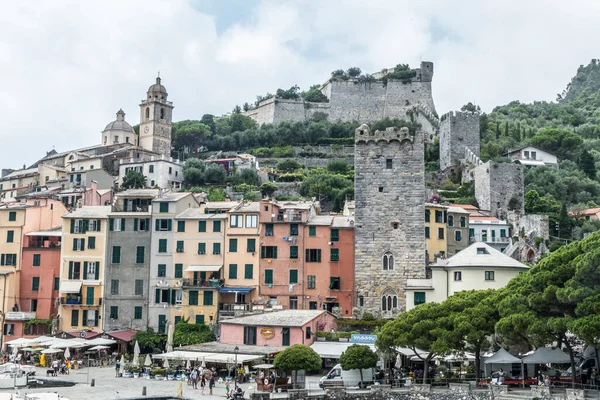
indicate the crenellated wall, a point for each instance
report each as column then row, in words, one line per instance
column 458, row 130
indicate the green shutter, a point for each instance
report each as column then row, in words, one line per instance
column 157, row 225
column 116, row 254
column 251, row 245
column 10, row 236
column 263, row 252
column 35, row 283
column 232, row 271
column 274, row 251
column 36, row 260
column 147, row 224
column 86, row 226
column 164, row 207
column 91, row 242
column 208, row 297
column 98, row 225
column 139, row 254
column 335, row 235
column 269, row 276
column 293, row 251
column 56, row 283
column 111, row 224
column 72, row 226
column 157, row 296
column 335, row 255
column 201, row 248
column 216, row 226
column 293, row 276
column 137, row 313
column 169, row 225
column 193, row 298
column 201, row 226
column 123, row 224
column 84, row 318
column 200, row 319
column 85, row 267
column 233, row 245
column 248, row 271
column 162, row 270
column 178, row 270
column 82, row 244
column 180, row 246
column 75, row 244
column 173, row 296
column 74, row 317
column 135, row 224
column 312, row 230
column 70, row 269
column 180, row 226
column 318, row 255
column 2, row 259
column 89, row 296
column 216, row 248
column 162, row 245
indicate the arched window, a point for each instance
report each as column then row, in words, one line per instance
column 162, row 113
column 395, row 302
column 389, row 302
column 147, row 112
column 383, row 303
column 388, row 261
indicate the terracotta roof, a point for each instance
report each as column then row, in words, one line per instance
column 124, row 335
column 589, row 211
column 88, row 334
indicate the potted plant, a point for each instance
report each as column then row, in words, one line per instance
column 136, row 371
column 170, row 374
column 321, row 336
column 158, row 373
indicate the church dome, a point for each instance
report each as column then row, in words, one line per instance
column 157, row 87
column 119, row 124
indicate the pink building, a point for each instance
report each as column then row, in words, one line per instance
column 277, row 328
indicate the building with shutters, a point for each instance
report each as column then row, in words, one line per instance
column 436, row 216
column 83, row 258
column 165, row 300
column 126, row 290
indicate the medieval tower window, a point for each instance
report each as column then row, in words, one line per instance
column 388, row 163
column 147, row 112
column 388, row 262
column 162, row 113
column 389, row 302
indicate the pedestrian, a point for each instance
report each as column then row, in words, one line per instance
column 501, row 376
column 55, row 367
column 117, row 368
column 194, row 378
column 547, row 380
column 227, row 388
column 211, row 384
column 594, row 373
column 202, row 384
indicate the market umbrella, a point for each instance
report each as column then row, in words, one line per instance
column 170, row 338
column 67, row 353
column 52, row 351
column 203, row 362
column 101, row 342
column 99, row 348
column 136, row 353
column 148, row 361
column 27, row 349
column 188, row 364
column 166, row 364
column 122, row 362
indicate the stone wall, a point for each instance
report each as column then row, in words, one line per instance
column 323, row 155
column 536, row 223
column 390, row 216
column 458, row 130
column 496, row 184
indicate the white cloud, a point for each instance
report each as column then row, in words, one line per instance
column 68, row 66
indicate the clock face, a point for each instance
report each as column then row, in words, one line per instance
column 146, row 129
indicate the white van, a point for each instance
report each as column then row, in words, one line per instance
column 338, row 377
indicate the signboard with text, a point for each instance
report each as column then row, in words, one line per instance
column 363, row 339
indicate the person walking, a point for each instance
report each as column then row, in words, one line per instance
column 501, row 376
column 202, row 384
column 55, row 367
column 194, row 378
column 117, row 368
column 211, row 384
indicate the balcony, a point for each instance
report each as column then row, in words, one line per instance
column 485, row 239
column 132, row 209
column 19, row 316
column 43, row 245
column 198, row 283
column 231, row 309
column 79, row 301
column 288, row 218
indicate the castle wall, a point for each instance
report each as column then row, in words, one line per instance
column 457, row 131
column 288, row 110
column 390, row 215
column 496, row 184
column 264, row 113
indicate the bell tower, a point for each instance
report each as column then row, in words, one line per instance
column 156, row 120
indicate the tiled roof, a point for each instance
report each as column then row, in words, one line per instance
column 196, row 213
column 472, row 257
column 90, row 212
column 342, row 222
column 277, row 318
column 253, row 207
column 320, row 220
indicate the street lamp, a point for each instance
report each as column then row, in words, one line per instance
column 235, row 350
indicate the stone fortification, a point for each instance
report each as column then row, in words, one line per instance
column 458, row 130
column 351, row 100
column 390, row 216
column 496, row 184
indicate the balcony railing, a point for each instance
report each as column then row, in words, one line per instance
column 208, row 283
column 473, row 239
column 287, row 218
column 141, row 208
column 19, row 316
column 44, row 245
column 231, row 309
column 80, row 301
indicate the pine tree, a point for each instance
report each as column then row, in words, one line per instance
column 497, row 130
column 586, row 164
column 506, row 128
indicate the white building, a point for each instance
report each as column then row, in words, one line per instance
column 478, row 267
column 489, row 230
column 161, row 171
column 533, row 156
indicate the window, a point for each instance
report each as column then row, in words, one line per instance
column 419, row 298
column 268, row 252
column 10, row 236
column 9, row 329
column 139, row 287
column 216, row 248
column 458, row 236
column 114, row 286
column 484, row 235
column 91, row 243
column 201, row 226
column 162, row 245
column 150, row 168
column 312, row 281
column 251, row 221
column 236, row 221
column 140, row 254
column 334, row 283
column 293, row 276
column 458, row 276
column 116, row 224
column 248, row 271
column 313, row 255
column 268, row 229
column 74, row 317
column 116, row 255
column 162, row 270
column 36, row 260
column 8, row 259
column 74, row 270
column 471, row 232
column 389, row 302
column 440, row 233
column 533, row 155
column 293, row 252
column 114, row 312
column 164, row 207
column 312, row 305
column 380, row 189
column 502, row 233
column 164, row 225
column 233, row 245
column 312, row 230
column 526, row 154
column 143, row 224
column 268, row 276
column 439, row 216
column 35, row 283
column 489, row 275
column 78, row 244
column 388, row 163
column 294, row 303
column 427, row 234
column 180, row 226
column 250, row 335
column 94, row 225
column 178, row 270
column 12, row 216
column 335, row 235
column 293, row 229
column 216, row 226
column 463, row 222
column 334, row 255
column 427, row 216
column 232, row 271
column 200, row 319
column 482, row 250
column 361, row 301
column 137, row 312
column 208, row 297
column 388, row 262
column 493, row 231
column 56, row 283
column 193, row 298
column 251, row 245
column 450, row 220
column 201, row 248
column 179, row 247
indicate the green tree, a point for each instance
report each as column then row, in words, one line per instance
column 268, row 188
column 215, row 174
column 209, row 120
column 358, row 357
column 190, row 135
column 246, row 176
column 560, row 141
column 298, row 357
column 338, row 167
column 150, row 341
column 289, row 165
column 471, row 108
column 291, row 93
column 133, row 180
column 193, row 172
column 215, row 194
column 185, row 334
column 536, row 204
column 587, row 165
column 315, row 95
column 339, row 73
column 353, row 72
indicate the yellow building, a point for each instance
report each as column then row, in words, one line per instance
column 241, row 270
column 435, row 231
column 83, row 259
column 199, row 244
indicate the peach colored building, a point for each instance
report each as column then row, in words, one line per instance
column 277, row 328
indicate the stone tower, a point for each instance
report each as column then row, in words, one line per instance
column 156, row 119
column 390, row 217
column 499, row 188
column 457, row 131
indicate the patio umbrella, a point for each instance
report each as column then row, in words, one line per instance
column 188, row 364
column 203, row 362
column 99, row 348
column 67, row 353
column 166, row 364
column 27, row 349
column 101, row 342
column 148, row 361
column 15, row 351
column 170, row 338
column 136, row 353
column 52, row 351
column 122, row 362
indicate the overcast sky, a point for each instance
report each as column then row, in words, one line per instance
column 67, row 66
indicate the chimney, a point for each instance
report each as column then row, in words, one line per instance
column 24, row 166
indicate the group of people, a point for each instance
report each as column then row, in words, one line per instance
column 62, row 366
column 198, row 375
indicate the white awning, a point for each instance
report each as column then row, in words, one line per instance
column 70, row 287
column 208, row 357
column 44, row 233
column 333, row 349
column 203, row 268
